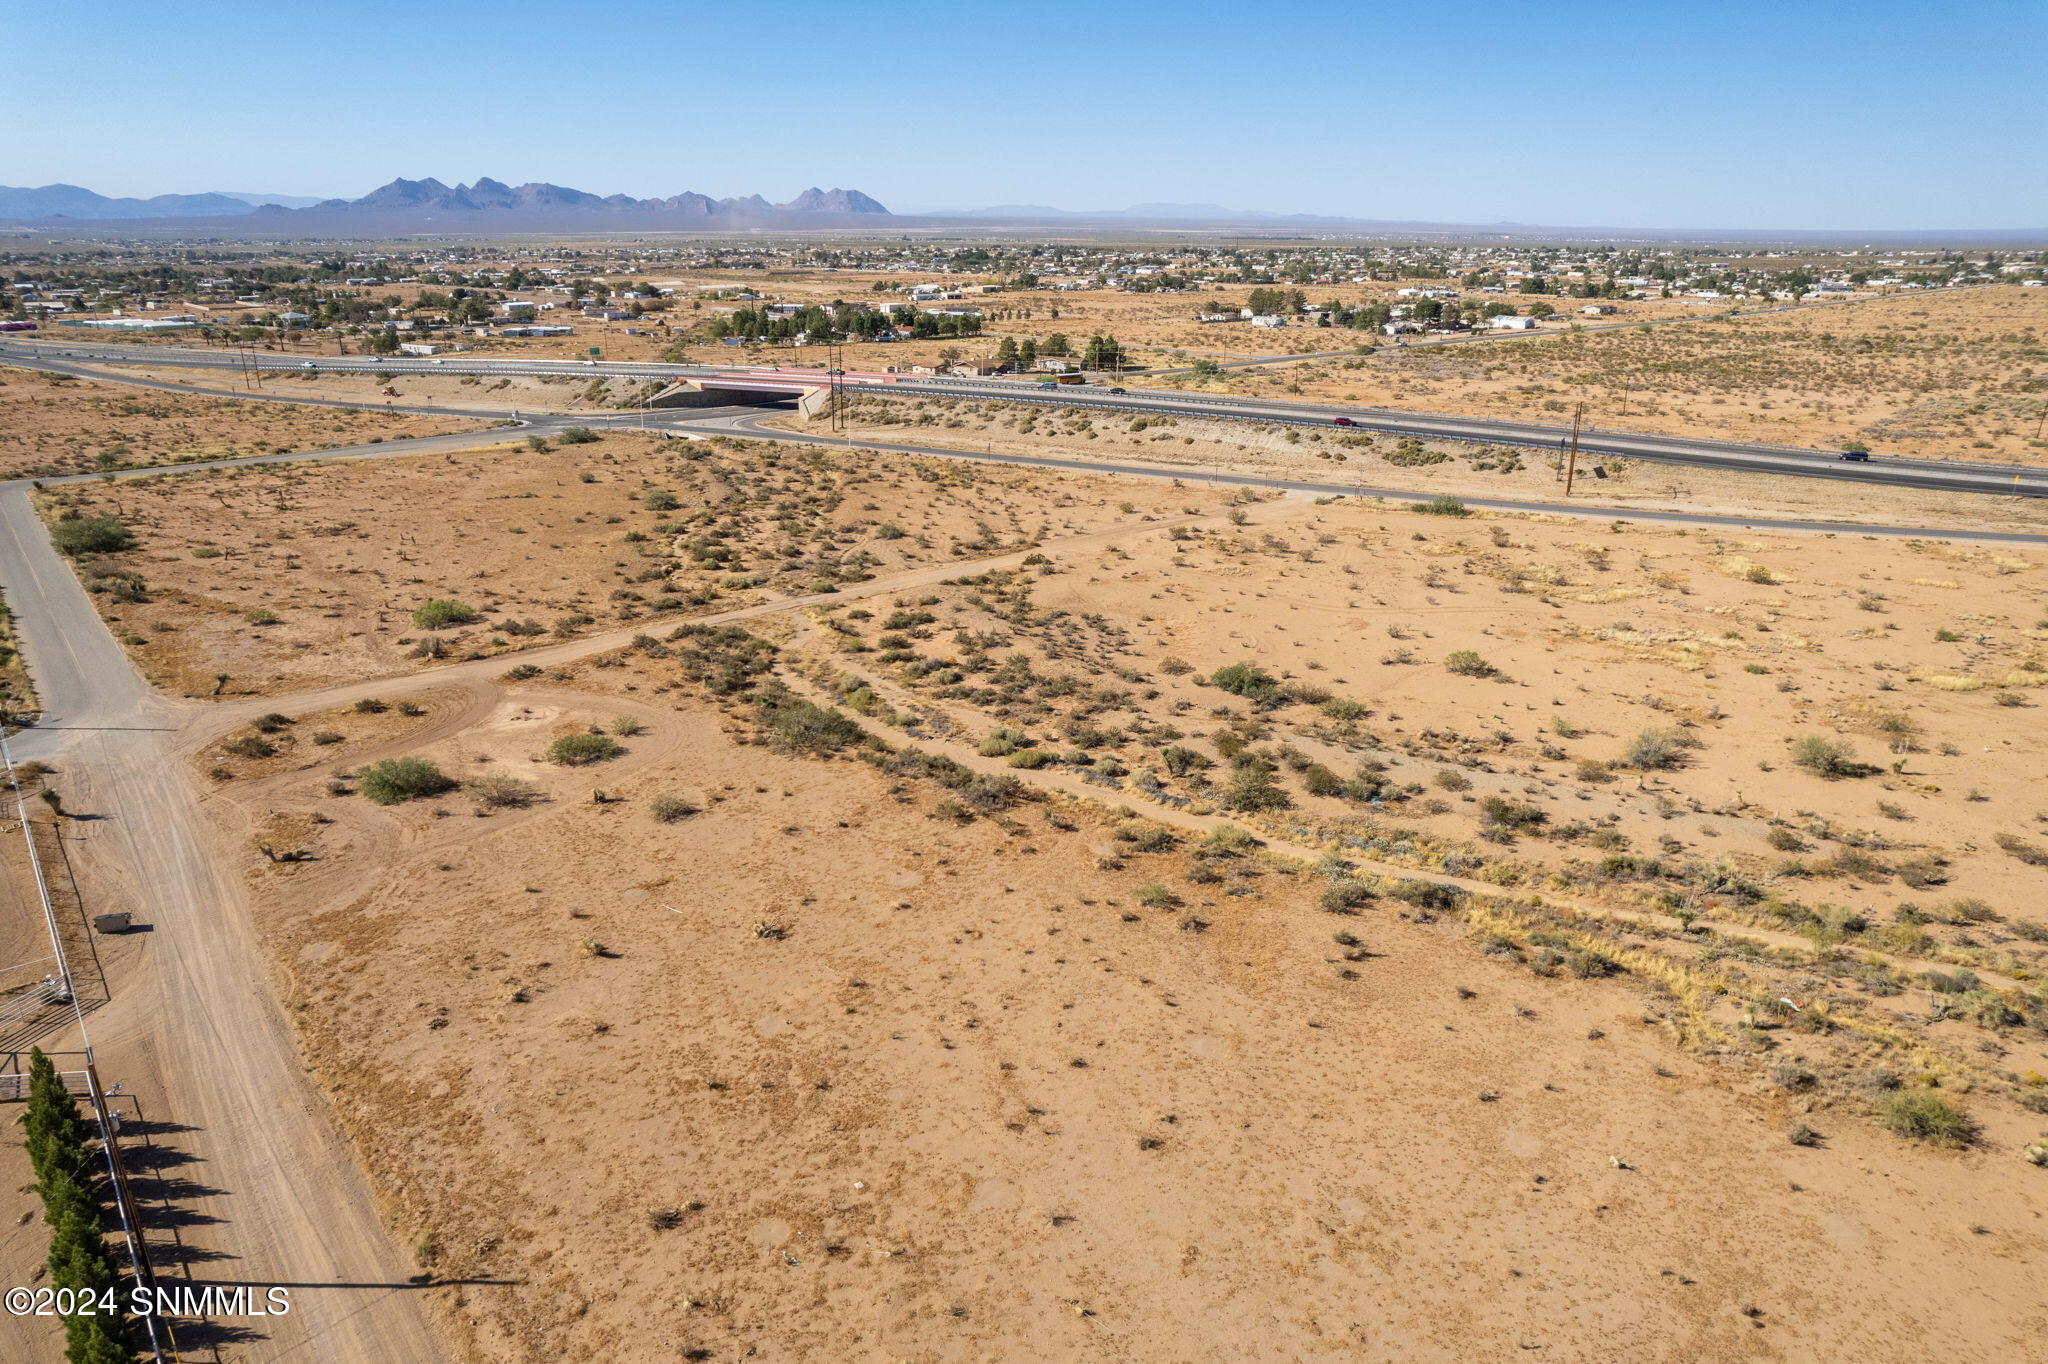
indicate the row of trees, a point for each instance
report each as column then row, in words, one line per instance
column 73, row 1197
column 853, row 321
column 1103, row 352
column 1283, row 302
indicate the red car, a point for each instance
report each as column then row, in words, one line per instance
column 1346, row 421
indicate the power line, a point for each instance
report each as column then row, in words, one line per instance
column 131, row 1235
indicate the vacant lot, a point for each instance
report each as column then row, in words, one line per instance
column 1955, row 376
column 507, row 394
column 1961, row 375
column 1359, row 459
column 1519, row 934
column 53, row 424
column 289, row 576
column 819, row 1067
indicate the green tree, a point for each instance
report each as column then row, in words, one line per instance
column 53, row 1131
column 72, row 1203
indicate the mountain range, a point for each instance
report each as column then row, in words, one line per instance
column 1170, row 213
column 494, row 196
column 487, row 206
column 429, row 205
column 70, row 201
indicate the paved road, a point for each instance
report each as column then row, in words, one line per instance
column 271, row 1193
column 196, row 1030
column 746, row 422
column 1594, row 442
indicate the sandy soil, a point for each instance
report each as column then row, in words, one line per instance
column 548, row 545
column 508, row 394
column 1455, row 467
column 813, row 1074
column 54, row 424
column 1953, row 376
column 887, row 1060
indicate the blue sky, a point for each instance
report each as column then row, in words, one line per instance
column 1796, row 114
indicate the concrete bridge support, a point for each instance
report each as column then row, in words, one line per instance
column 690, row 393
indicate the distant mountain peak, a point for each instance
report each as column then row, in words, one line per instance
column 815, row 200
column 428, row 199
column 542, row 200
column 73, row 201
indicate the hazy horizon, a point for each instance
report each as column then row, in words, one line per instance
column 1590, row 114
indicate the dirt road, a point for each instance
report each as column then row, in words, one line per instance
column 259, row 1186
column 262, row 1187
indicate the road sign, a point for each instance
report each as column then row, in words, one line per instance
column 596, row 351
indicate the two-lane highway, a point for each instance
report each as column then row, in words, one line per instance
column 1594, row 442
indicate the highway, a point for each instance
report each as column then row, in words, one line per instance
column 193, row 1030
column 1594, row 442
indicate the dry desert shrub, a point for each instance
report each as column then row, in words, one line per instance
column 496, row 791
column 1467, row 663
column 670, row 809
column 580, row 750
column 1925, row 1116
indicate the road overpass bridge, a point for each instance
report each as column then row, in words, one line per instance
column 731, row 385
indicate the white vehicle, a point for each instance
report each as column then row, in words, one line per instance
column 306, row 364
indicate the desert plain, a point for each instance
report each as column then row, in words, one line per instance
column 787, row 903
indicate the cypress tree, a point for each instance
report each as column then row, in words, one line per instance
column 54, row 1132
column 72, row 1197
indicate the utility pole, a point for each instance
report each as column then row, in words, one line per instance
column 835, row 361
column 1571, row 467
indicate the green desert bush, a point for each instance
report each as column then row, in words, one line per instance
column 797, row 726
column 1656, row 750
column 75, row 534
column 395, row 780
column 438, row 613
column 1925, row 1116
column 1247, row 680
column 580, row 750
column 1830, row 758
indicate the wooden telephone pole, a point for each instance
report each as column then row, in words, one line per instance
column 1571, row 467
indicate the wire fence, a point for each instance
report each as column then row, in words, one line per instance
column 56, row 990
